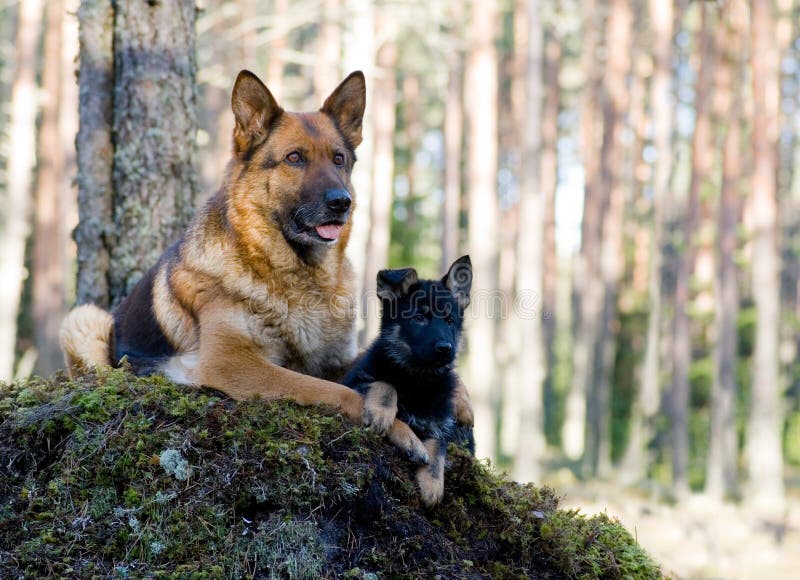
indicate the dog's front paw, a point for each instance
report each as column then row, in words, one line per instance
column 407, row 441
column 431, row 487
column 380, row 407
column 462, row 406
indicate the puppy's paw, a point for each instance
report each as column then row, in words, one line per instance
column 431, row 485
column 462, row 406
column 380, row 407
column 407, row 441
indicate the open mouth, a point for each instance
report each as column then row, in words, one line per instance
column 329, row 232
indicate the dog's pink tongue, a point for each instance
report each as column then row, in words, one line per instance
column 329, row 231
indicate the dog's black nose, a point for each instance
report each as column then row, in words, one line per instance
column 338, row 200
column 444, row 347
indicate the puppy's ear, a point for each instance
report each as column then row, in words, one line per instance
column 254, row 109
column 393, row 284
column 459, row 280
column 346, row 106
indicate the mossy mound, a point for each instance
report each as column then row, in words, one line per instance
column 114, row 475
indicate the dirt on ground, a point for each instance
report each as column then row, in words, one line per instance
column 700, row 538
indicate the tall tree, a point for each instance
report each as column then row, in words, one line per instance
column 646, row 403
column 480, row 89
column 329, row 48
column 702, row 160
column 384, row 103
column 763, row 439
column 530, row 262
column 597, row 449
column 723, row 447
column 49, row 238
column 16, row 212
column 587, row 288
column 453, row 142
column 136, row 188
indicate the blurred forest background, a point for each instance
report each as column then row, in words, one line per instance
column 624, row 173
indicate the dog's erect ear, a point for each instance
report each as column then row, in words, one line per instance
column 393, row 284
column 254, row 108
column 459, row 280
column 346, row 106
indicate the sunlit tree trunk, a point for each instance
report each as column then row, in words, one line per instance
column 723, row 447
column 453, row 142
column 702, row 159
column 278, row 45
column 636, row 461
column 15, row 214
column 587, row 288
column 530, row 256
column 480, row 89
column 597, row 454
column 49, row 238
column 384, row 100
column 329, row 48
column 763, row 439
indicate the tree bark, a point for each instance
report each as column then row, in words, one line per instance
column 587, row 289
column 481, row 92
column 16, row 212
column 597, row 454
column 702, row 160
column 723, row 447
column 453, row 136
column 530, row 262
column 764, row 426
column 49, row 239
column 384, row 102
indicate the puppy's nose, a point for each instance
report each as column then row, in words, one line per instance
column 444, row 347
column 338, row 200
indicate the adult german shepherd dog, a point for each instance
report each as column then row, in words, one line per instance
column 257, row 297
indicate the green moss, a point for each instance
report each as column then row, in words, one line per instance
column 270, row 489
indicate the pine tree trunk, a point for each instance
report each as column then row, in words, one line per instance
column 453, row 139
column 384, row 97
column 597, row 455
column 15, row 226
column 763, row 440
column 530, row 256
column 636, row 461
column 329, row 49
column 49, row 238
column 723, row 447
column 587, row 289
column 481, row 90
column 702, row 160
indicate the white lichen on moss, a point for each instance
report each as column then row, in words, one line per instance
column 174, row 464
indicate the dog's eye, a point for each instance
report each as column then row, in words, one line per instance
column 294, row 157
column 338, row 159
column 451, row 321
column 419, row 319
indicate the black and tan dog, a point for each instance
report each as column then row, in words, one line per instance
column 256, row 299
column 408, row 371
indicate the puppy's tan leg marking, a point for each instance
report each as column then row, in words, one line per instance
column 380, row 407
column 403, row 437
column 462, row 405
column 430, row 478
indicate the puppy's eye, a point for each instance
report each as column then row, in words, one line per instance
column 338, row 159
column 451, row 321
column 294, row 157
column 419, row 319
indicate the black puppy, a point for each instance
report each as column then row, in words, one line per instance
column 408, row 371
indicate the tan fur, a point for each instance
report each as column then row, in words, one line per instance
column 243, row 311
column 84, row 337
column 380, row 406
column 430, row 478
column 462, row 405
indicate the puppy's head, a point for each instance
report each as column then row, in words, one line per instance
column 422, row 320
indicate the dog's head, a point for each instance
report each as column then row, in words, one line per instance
column 421, row 320
column 292, row 170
